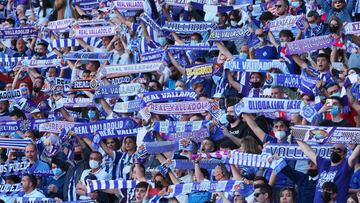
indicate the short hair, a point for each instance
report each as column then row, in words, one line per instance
column 32, row 179
column 265, row 189
column 98, row 153
column 18, row 113
column 313, row 14
column 159, row 86
column 331, row 84
column 261, row 178
column 281, row 120
column 236, row 14
column 197, row 35
column 286, row 33
column 286, row 2
column 323, row 55
column 329, row 186
column 278, row 87
column 142, row 185
column 34, row 145
column 265, row 16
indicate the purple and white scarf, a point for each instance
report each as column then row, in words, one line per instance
column 287, row 22
column 15, row 33
column 77, row 102
column 294, row 152
column 88, row 56
column 122, row 90
column 127, row 107
column 255, row 65
column 12, row 143
column 329, row 135
column 188, row 27
column 41, row 63
column 12, row 94
column 100, row 31
column 309, row 44
column 89, row 85
column 129, row 5
column 352, row 28
column 169, row 95
column 60, row 25
column 256, row 105
column 283, row 80
column 114, row 70
column 55, row 126
column 185, row 107
column 229, row 34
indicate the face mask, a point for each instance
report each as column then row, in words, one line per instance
column 233, row 23
column 178, row 88
column 216, row 19
column 193, row 42
column 335, row 157
column 313, row 25
column 295, row 4
column 333, row 29
column 282, row 44
column 243, row 55
column 161, row 41
column 336, row 94
column 77, row 157
column 326, row 196
column 280, row 135
column 231, row 118
column 93, row 164
column 312, row 172
column 181, row 18
column 37, row 89
column 256, row 84
column 91, row 114
column 56, row 171
column 334, row 110
column 151, row 89
column 261, row 39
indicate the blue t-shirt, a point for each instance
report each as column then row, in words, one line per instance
column 266, row 52
column 355, row 180
column 340, row 175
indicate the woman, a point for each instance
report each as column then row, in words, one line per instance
column 352, row 199
column 287, row 195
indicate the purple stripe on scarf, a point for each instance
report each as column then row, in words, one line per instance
column 309, row 44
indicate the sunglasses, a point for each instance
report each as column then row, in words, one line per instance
column 278, row 6
column 257, row 194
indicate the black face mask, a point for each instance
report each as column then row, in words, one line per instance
column 335, row 157
column 256, row 84
column 231, row 118
column 312, row 172
column 78, row 157
column 151, row 89
column 37, row 89
column 333, row 29
column 326, row 197
column 158, row 184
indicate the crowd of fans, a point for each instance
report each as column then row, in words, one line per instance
column 63, row 163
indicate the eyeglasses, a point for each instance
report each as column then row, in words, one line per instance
column 257, row 194
column 278, row 6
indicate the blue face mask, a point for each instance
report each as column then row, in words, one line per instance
column 91, row 114
column 243, row 55
column 295, row 4
column 337, row 94
column 56, row 171
column 334, row 110
column 161, row 41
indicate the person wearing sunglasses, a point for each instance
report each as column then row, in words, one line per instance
column 282, row 8
column 338, row 169
column 262, row 194
column 339, row 8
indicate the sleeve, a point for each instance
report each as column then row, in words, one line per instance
column 320, row 162
column 9, row 52
column 294, row 175
column 324, row 5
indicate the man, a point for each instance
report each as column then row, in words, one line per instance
column 31, row 154
column 338, row 169
column 262, row 194
column 95, row 169
column 335, row 107
column 140, row 191
column 316, row 27
column 277, row 92
column 328, row 194
column 306, row 183
column 29, row 184
column 282, row 8
column 73, row 175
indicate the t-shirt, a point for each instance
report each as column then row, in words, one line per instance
column 340, row 175
column 266, row 52
column 35, row 193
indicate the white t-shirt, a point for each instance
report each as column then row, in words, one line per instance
column 100, row 175
column 35, row 193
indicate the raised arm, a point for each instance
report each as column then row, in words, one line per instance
column 272, row 39
column 354, row 156
column 224, row 50
column 307, row 150
column 254, row 127
column 299, row 61
column 236, row 85
column 84, row 45
column 176, row 64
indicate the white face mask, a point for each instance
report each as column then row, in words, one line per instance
column 233, row 23
column 178, row 88
column 280, row 135
column 93, row 164
column 216, row 19
column 282, row 44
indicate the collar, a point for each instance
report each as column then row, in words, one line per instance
column 314, row 178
